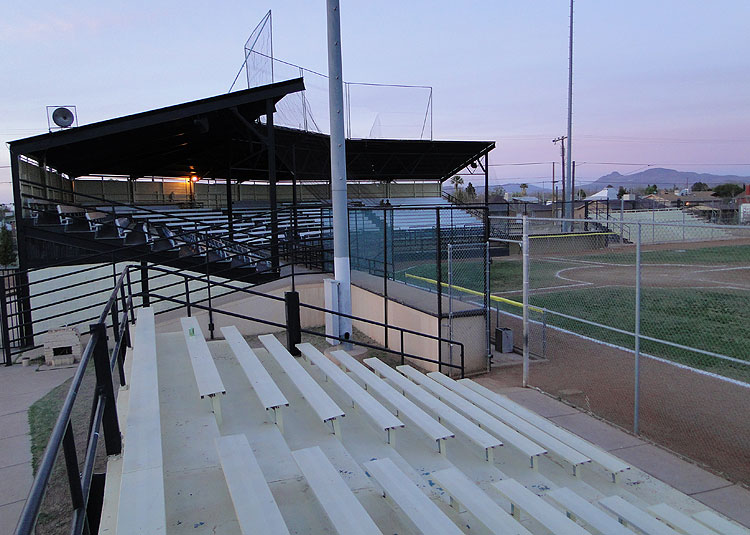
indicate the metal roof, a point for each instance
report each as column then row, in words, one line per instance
column 221, row 136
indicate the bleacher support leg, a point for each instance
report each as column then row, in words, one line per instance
column 278, row 419
column 216, row 407
column 293, row 325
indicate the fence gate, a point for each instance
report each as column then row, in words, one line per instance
column 468, row 290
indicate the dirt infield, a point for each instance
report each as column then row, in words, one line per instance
column 700, row 416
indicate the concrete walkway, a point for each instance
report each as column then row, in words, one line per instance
column 731, row 500
column 19, row 388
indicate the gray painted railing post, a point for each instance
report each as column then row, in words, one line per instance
column 4, row 323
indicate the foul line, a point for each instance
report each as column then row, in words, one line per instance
column 474, row 292
column 570, row 236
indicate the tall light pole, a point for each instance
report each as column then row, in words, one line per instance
column 338, row 168
column 568, row 206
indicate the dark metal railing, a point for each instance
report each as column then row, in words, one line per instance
column 119, row 309
column 116, row 316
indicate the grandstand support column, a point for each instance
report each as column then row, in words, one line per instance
column 22, row 277
column 230, row 223
column 486, row 180
column 271, row 147
column 341, row 265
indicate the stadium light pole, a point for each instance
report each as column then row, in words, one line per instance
column 568, row 207
column 341, row 264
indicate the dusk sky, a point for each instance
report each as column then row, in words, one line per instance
column 663, row 83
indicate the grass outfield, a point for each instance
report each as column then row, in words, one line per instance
column 505, row 275
column 712, row 320
column 729, row 254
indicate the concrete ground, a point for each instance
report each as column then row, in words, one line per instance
column 19, row 388
column 729, row 499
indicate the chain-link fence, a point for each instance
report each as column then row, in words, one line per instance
column 646, row 325
column 405, row 253
column 468, row 295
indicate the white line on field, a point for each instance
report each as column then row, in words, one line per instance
column 723, row 269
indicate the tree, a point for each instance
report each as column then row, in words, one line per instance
column 497, row 194
column 650, row 190
column 524, row 187
column 471, row 193
column 457, row 182
column 727, row 190
column 700, row 186
column 621, row 192
column 7, row 254
column 581, row 194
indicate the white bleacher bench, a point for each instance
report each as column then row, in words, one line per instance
column 719, row 524
column 578, row 508
column 679, row 521
column 142, row 509
column 381, row 417
column 268, row 393
column 418, row 508
column 629, row 514
column 444, row 413
column 204, row 368
column 463, row 492
column 405, row 408
column 522, row 499
column 597, row 455
column 557, row 447
column 338, row 502
column 485, row 420
column 316, row 397
column 254, row 505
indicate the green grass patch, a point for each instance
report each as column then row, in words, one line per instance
column 729, row 254
column 42, row 417
column 55, row 512
column 505, row 275
column 712, row 320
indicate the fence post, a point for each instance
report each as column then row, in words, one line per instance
column 450, row 303
column 293, row 324
column 637, row 393
column 187, row 296
column 487, row 311
column 439, row 278
column 146, row 299
column 525, row 246
column 385, row 276
column 110, row 423
column 4, row 322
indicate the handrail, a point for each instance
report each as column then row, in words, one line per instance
column 103, row 413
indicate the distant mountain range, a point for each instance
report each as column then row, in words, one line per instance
column 663, row 178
